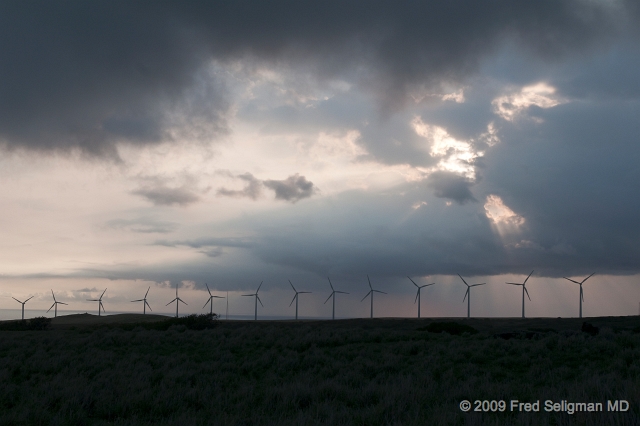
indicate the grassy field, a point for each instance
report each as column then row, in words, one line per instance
column 115, row 370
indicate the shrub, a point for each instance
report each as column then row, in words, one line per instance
column 38, row 323
column 449, row 327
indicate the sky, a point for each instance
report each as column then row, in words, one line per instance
column 176, row 144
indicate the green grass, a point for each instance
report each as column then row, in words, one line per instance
column 352, row 372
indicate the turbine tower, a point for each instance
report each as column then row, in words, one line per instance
column 55, row 303
column 22, row 304
column 418, row 295
column 467, row 295
column 257, row 300
column 524, row 289
column 581, row 294
column 210, row 301
column 177, row 299
column 99, row 300
column 333, row 294
column 145, row 304
column 371, row 291
column 296, row 297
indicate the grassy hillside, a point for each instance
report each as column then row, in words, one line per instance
column 362, row 372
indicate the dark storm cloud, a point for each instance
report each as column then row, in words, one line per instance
column 87, row 75
column 294, row 188
column 452, row 186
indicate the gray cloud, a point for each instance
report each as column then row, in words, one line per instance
column 253, row 188
column 452, row 186
column 162, row 195
column 294, row 188
column 144, row 225
column 87, row 76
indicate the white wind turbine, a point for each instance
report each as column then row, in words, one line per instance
column 210, row 301
column 296, row 297
column 22, row 304
column 371, row 291
column 524, row 289
column 145, row 304
column 99, row 300
column 581, row 294
column 55, row 304
column 467, row 294
column 333, row 294
column 418, row 295
column 177, row 299
column 257, row 300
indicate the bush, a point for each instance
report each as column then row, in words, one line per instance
column 191, row 322
column 449, row 327
column 38, row 323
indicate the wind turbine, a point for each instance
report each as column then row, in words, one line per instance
column 22, row 304
column 581, row 294
column 177, row 299
column 296, row 297
column 467, row 295
column 210, row 301
column 257, row 300
column 99, row 300
column 371, row 291
column 55, row 303
column 418, row 295
column 524, row 289
column 333, row 294
column 145, row 304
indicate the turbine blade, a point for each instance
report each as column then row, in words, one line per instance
column 427, row 285
column 208, row 301
column 257, row 297
column 329, row 297
column 369, row 282
column 525, row 281
column 514, row 283
column 149, row 306
column 414, row 283
column 61, row 303
column 527, row 291
column 343, row 292
column 247, row 294
column 367, row 295
column 171, row 302
column 587, row 278
column 259, row 287
column 54, row 304
column 473, row 285
column 16, row 300
column 463, row 280
column 378, row 291
column 292, row 300
column 182, row 301
column 294, row 289
column 208, row 288
column 305, row 292
column 465, row 294
column 571, row 280
column 105, row 290
column 28, row 299
column 145, row 295
column 417, row 294
column 330, row 284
